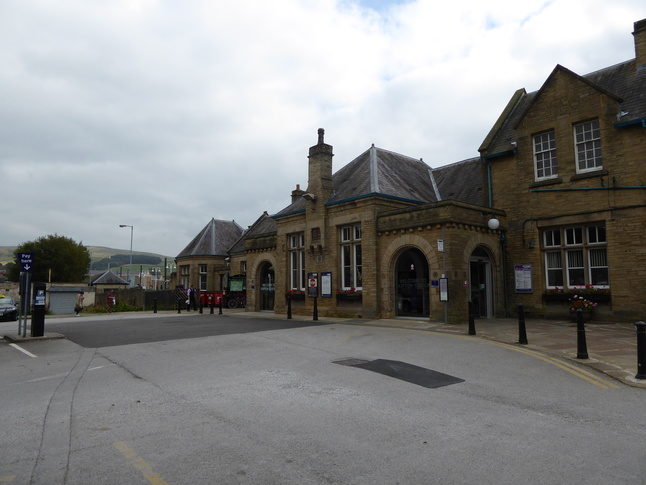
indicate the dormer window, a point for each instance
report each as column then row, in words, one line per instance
column 587, row 139
column 545, row 156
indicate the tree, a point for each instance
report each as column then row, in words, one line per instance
column 67, row 260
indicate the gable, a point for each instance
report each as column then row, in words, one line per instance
column 563, row 94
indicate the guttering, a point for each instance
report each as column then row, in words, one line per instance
column 638, row 121
column 374, row 194
column 575, row 189
column 278, row 216
column 485, row 159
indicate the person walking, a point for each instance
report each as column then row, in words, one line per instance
column 78, row 306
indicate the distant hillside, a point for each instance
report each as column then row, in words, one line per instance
column 102, row 255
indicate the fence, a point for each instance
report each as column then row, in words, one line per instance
column 145, row 299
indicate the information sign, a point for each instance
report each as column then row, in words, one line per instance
column 26, row 261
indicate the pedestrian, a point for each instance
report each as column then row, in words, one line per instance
column 78, row 306
column 192, row 298
column 111, row 301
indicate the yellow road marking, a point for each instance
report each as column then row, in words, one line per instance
column 351, row 335
column 572, row 369
column 139, row 463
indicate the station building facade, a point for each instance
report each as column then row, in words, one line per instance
column 555, row 204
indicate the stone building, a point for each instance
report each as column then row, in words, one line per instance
column 556, row 200
column 379, row 238
column 204, row 263
column 567, row 165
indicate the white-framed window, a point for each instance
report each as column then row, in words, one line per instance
column 297, row 261
column 580, row 260
column 351, row 265
column 545, row 165
column 203, row 277
column 587, row 141
column 184, row 276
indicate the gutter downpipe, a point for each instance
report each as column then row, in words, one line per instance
column 503, row 239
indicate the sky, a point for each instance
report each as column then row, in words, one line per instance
column 162, row 115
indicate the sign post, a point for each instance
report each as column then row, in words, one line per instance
column 26, row 261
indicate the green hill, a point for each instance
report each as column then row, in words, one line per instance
column 101, row 256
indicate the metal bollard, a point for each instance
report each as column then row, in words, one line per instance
column 641, row 350
column 316, row 309
column 211, row 305
column 155, row 305
column 220, row 312
column 581, row 345
column 522, row 331
column 289, row 307
column 472, row 323
column 201, row 308
column 179, row 305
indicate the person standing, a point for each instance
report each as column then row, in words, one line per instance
column 78, row 306
column 111, row 301
column 192, row 297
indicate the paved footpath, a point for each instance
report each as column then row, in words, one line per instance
column 612, row 347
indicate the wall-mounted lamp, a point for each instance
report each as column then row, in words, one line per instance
column 309, row 196
column 493, row 223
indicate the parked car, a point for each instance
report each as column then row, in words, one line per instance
column 8, row 308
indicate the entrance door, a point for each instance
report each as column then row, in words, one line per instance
column 481, row 283
column 267, row 290
column 411, row 285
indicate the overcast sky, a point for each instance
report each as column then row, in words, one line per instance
column 163, row 114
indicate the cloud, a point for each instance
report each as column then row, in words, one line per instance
column 163, row 115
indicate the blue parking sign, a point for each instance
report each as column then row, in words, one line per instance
column 26, row 261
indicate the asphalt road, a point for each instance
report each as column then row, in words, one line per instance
column 311, row 404
column 119, row 329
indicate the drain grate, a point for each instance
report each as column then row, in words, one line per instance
column 406, row 372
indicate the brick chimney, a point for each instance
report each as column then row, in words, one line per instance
column 640, row 45
column 320, row 169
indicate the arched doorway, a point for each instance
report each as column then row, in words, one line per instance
column 267, row 287
column 481, row 283
column 411, row 284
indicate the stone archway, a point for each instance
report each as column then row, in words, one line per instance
column 412, row 297
column 267, row 293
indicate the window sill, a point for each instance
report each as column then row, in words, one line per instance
column 543, row 183
column 588, row 175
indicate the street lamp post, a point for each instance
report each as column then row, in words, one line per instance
column 130, row 266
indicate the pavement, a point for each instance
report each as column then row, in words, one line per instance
column 611, row 347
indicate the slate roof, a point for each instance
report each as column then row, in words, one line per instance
column 214, row 240
column 462, row 181
column 109, row 278
column 379, row 172
column 621, row 81
column 264, row 225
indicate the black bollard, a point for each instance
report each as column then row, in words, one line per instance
column 155, row 305
column 220, row 311
column 289, row 307
column 641, row 350
column 179, row 305
column 211, row 305
column 581, row 345
column 201, row 308
column 472, row 323
column 316, row 308
column 522, row 331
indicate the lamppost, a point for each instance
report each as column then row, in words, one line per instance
column 130, row 266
